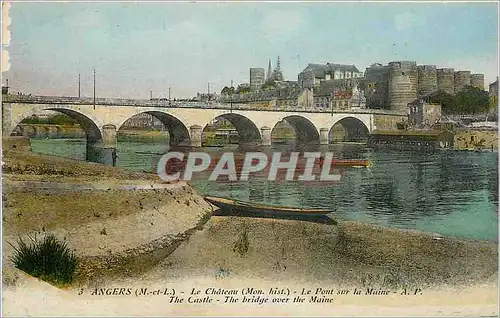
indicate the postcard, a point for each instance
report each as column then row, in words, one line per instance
column 249, row 159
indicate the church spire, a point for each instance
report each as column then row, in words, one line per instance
column 278, row 75
column 269, row 71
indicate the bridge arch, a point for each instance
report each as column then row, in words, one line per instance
column 178, row 132
column 305, row 130
column 92, row 131
column 94, row 134
column 348, row 128
column 248, row 132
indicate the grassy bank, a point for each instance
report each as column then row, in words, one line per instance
column 113, row 228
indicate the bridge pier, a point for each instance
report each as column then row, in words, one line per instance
column 109, row 136
column 104, row 150
column 195, row 132
column 99, row 154
column 265, row 133
column 323, row 136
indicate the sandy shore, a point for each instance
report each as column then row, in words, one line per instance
column 179, row 249
column 25, row 300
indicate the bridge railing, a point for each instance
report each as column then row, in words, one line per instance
column 28, row 99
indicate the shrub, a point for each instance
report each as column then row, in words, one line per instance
column 241, row 245
column 47, row 259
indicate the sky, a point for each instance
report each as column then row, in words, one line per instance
column 141, row 47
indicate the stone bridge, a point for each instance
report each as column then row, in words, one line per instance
column 101, row 120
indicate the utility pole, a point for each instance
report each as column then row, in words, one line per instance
column 208, row 97
column 231, row 89
column 169, row 90
column 94, row 88
column 79, row 85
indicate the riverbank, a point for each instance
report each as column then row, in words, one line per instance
column 159, row 237
column 116, row 221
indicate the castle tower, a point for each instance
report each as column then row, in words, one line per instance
column 427, row 79
column 446, row 80
column 462, row 79
column 477, row 80
column 403, row 82
column 256, row 78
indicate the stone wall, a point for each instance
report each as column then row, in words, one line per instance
column 427, row 79
column 477, row 80
column 476, row 139
column 50, row 131
column 16, row 143
column 462, row 79
column 385, row 122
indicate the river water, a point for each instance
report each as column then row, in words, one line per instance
column 448, row 192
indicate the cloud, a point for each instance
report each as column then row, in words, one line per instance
column 282, row 23
column 408, row 20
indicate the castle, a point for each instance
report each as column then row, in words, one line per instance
column 401, row 82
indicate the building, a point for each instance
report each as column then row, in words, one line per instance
column 402, row 86
column 462, row 79
column 143, row 120
column 205, row 97
column 376, row 85
column 340, row 99
column 398, row 83
column 313, row 74
column 446, row 80
column 394, row 85
column 287, row 85
column 427, row 79
column 422, row 114
column 340, row 84
column 412, row 139
column 477, row 80
column 257, row 78
column 294, row 99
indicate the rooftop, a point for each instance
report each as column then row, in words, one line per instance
column 319, row 70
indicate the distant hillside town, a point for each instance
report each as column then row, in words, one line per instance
column 343, row 86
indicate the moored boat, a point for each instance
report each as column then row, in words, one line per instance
column 249, row 207
column 352, row 163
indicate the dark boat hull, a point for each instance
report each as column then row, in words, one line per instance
column 245, row 209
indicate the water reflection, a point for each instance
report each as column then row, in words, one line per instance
column 403, row 189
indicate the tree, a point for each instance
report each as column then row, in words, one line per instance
column 269, row 85
column 471, row 100
column 443, row 98
column 242, row 89
column 227, row 91
column 61, row 119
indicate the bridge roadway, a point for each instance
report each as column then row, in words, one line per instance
column 185, row 120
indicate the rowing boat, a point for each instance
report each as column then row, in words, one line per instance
column 248, row 207
column 351, row 163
